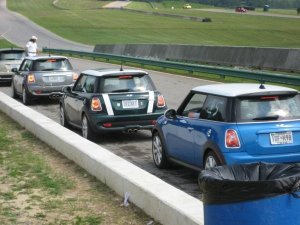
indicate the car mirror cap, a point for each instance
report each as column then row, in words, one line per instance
column 67, row 89
column 170, row 114
column 14, row 70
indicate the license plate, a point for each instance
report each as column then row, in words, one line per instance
column 55, row 79
column 281, row 138
column 130, row 104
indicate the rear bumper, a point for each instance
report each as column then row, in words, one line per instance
column 46, row 91
column 5, row 77
column 244, row 157
column 123, row 123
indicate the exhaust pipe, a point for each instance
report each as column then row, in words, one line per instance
column 132, row 130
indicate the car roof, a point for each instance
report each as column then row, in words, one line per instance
column 12, row 50
column 113, row 72
column 45, row 57
column 242, row 89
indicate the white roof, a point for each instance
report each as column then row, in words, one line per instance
column 103, row 72
column 46, row 57
column 237, row 89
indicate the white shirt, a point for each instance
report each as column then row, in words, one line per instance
column 31, row 48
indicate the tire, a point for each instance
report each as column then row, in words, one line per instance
column 159, row 153
column 62, row 117
column 26, row 99
column 13, row 90
column 211, row 160
column 86, row 129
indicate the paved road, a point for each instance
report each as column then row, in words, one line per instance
column 253, row 13
column 18, row 29
column 116, row 4
column 136, row 147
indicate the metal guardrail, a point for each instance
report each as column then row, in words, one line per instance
column 223, row 72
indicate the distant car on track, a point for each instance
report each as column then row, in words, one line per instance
column 107, row 100
column 42, row 76
column 230, row 124
column 240, row 9
column 187, row 6
column 9, row 58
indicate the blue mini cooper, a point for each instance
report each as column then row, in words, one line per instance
column 229, row 124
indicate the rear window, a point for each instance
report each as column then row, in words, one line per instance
column 52, row 64
column 127, row 83
column 9, row 55
column 263, row 108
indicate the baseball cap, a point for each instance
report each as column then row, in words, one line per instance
column 34, row 37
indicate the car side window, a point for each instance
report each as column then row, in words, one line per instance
column 194, row 106
column 26, row 65
column 214, row 108
column 80, row 84
column 89, row 85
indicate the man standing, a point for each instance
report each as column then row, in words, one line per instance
column 31, row 47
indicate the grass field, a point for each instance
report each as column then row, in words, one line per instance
column 40, row 186
column 5, row 44
column 98, row 26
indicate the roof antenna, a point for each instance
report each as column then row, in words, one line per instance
column 262, row 86
column 49, row 53
column 121, row 69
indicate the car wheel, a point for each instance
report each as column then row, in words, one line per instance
column 13, row 89
column 62, row 117
column 158, row 152
column 25, row 97
column 211, row 160
column 86, row 129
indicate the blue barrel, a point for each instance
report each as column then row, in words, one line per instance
column 251, row 194
column 279, row 210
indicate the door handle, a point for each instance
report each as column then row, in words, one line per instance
column 190, row 128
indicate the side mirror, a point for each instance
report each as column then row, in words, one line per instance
column 170, row 114
column 14, row 70
column 67, row 89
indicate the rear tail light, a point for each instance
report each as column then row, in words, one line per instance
column 30, row 78
column 96, row 104
column 160, row 101
column 75, row 76
column 232, row 139
column 107, row 125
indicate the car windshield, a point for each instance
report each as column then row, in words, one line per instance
column 60, row 64
column 127, row 83
column 264, row 108
column 15, row 55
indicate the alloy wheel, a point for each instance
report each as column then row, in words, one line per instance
column 157, row 150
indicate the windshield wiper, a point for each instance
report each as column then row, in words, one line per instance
column 121, row 90
column 273, row 117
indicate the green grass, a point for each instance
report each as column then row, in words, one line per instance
column 98, row 26
column 79, row 4
column 21, row 163
column 5, row 44
column 40, row 186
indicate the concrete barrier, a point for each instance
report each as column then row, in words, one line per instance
column 163, row 202
column 282, row 59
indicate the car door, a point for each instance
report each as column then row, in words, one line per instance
column 18, row 78
column 76, row 100
column 181, row 137
column 73, row 100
